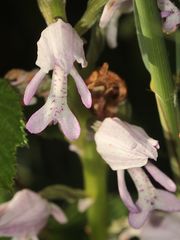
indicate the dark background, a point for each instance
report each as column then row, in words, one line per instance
column 49, row 160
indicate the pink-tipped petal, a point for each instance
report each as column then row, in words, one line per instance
column 112, row 7
column 109, row 10
column 69, row 124
column 84, row 204
column 40, row 119
column 112, row 31
column 167, row 201
column 82, row 88
column 58, row 214
column 33, row 86
column 160, row 177
column 137, row 220
column 124, row 193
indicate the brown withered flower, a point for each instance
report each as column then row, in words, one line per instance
column 108, row 91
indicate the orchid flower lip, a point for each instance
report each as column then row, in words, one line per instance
column 150, row 198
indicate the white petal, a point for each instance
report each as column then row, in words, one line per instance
column 123, row 6
column 61, row 45
column 144, row 141
column 40, row 119
column 160, row 177
column 79, row 50
column 45, row 58
column 124, row 193
column 84, row 204
column 167, row 201
column 58, row 214
column 121, row 147
column 33, row 86
column 136, row 220
column 109, row 9
column 69, row 124
column 112, row 30
column 82, row 88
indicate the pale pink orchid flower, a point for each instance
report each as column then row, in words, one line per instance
column 58, row 48
column 26, row 214
column 110, row 17
column 125, row 146
column 171, row 15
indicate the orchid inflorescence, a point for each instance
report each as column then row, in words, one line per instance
column 122, row 146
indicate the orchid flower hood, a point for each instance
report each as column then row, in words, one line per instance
column 123, row 145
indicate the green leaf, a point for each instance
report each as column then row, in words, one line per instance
column 141, row 40
column 91, row 15
column 12, row 134
column 62, row 192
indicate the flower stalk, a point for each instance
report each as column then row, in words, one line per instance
column 53, row 9
column 94, row 169
column 154, row 52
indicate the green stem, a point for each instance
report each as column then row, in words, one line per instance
column 94, row 168
column 95, row 171
column 162, row 83
column 52, row 9
column 90, row 16
column 177, row 40
column 95, row 185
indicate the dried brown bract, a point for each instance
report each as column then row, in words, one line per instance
column 108, row 91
